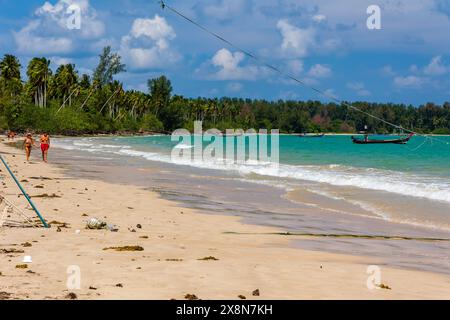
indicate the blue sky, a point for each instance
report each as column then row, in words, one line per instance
column 325, row 43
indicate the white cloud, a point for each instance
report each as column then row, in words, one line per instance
column 296, row 41
column 156, row 29
column 359, row 88
column 310, row 81
column 60, row 14
column 408, row 25
column 28, row 42
column 420, row 76
column 224, row 9
column 57, row 61
column 436, row 67
column 148, row 44
column 229, row 68
column 48, row 32
column 408, row 82
column 319, row 18
column 388, row 71
column 227, row 60
column 319, row 71
column 295, row 67
column 414, row 69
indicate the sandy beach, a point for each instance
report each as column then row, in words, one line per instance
column 184, row 251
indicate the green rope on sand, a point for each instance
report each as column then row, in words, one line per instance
column 24, row 193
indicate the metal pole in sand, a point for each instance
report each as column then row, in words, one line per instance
column 24, row 193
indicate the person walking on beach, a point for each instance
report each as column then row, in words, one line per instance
column 45, row 145
column 28, row 144
column 11, row 135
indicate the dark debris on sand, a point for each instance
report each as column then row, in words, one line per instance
column 125, row 248
column 384, row 286
column 172, row 259
column 4, row 295
column 12, row 250
column 71, row 296
column 46, row 195
column 59, row 224
column 208, row 258
column 190, row 296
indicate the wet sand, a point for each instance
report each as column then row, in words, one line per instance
column 175, row 243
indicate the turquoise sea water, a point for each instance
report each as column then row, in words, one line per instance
column 418, row 156
column 404, row 183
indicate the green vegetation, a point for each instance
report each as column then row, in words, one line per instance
column 64, row 102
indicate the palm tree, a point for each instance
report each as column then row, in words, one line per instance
column 116, row 95
column 160, row 90
column 137, row 103
column 10, row 74
column 39, row 73
column 65, row 83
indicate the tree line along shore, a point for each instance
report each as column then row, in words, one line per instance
column 62, row 101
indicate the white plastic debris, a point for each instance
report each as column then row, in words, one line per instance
column 94, row 223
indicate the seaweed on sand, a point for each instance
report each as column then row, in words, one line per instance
column 59, row 224
column 174, row 259
column 125, row 248
column 208, row 258
column 46, row 195
column 4, row 295
column 71, row 296
column 12, row 250
column 384, row 286
column 352, row 236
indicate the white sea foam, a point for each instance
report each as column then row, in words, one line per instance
column 183, row 146
column 432, row 188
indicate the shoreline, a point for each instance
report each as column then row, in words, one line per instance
column 316, row 215
column 169, row 266
column 152, row 133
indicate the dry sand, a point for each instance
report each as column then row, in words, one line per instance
column 173, row 239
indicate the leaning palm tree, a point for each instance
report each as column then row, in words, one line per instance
column 132, row 102
column 65, row 83
column 65, row 80
column 39, row 73
column 116, row 95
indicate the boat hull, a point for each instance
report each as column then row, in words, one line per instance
column 391, row 141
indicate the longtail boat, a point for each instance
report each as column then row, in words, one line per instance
column 305, row 135
column 376, row 141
